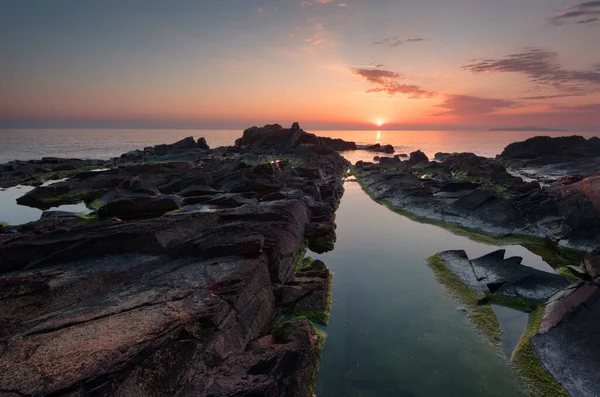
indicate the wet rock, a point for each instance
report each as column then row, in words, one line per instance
column 387, row 149
column 494, row 274
column 308, row 290
column 567, row 342
column 417, row 157
column 591, row 264
column 441, row 156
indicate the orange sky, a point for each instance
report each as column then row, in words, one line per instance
column 328, row 64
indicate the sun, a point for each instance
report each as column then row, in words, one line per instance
column 379, row 123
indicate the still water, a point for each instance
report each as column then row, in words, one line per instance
column 393, row 330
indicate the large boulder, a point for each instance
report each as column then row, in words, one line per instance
column 417, row 157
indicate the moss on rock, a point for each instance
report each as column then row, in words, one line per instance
column 526, row 363
column 480, row 313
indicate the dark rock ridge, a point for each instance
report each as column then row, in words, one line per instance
column 173, row 286
column 548, row 158
column 479, row 194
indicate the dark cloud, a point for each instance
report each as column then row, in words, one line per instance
column 466, row 105
column 395, row 41
column 542, row 68
column 412, row 91
column 589, row 10
column 390, row 83
column 589, row 20
column 550, row 96
column 587, row 4
column 378, row 76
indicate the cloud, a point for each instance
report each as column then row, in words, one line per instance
column 551, row 96
column 587, row 4
column 310, row 3
column 378, row 76
column 395, row 41
column 389, row 82
column 588, row 10
column 541, row 68
column 466, row 105
column 410, row 90
column 589, row 20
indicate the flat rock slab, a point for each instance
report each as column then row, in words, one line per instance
column 493, row 274
column 568, row 342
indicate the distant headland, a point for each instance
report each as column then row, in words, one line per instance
column 537, row 129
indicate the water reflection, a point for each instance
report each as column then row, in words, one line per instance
column 393, row 329
column 14, row 214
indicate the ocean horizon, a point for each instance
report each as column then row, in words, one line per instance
column 31, row 144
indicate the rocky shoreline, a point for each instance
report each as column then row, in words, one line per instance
column 188, row 278
column 559, row 352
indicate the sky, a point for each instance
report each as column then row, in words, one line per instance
column 329, row 64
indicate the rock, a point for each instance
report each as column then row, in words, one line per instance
column 201, row 144
column 377, row 148
column 591, row 264
column 308, row 290
column 496, row 202
column 387, row 149
column 494, row 274
column 390, row 162
column 551, row 158
column 417, row 157
column 544, row 146
column 567, row 180
column 338, row 144
column 139, row 206
column 197, row 190
column 441, row 156
column 567, row 342
column 143, row 300
column 35, row 172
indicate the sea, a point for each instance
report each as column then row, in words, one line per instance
column 107, row 143
column 394, row 330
